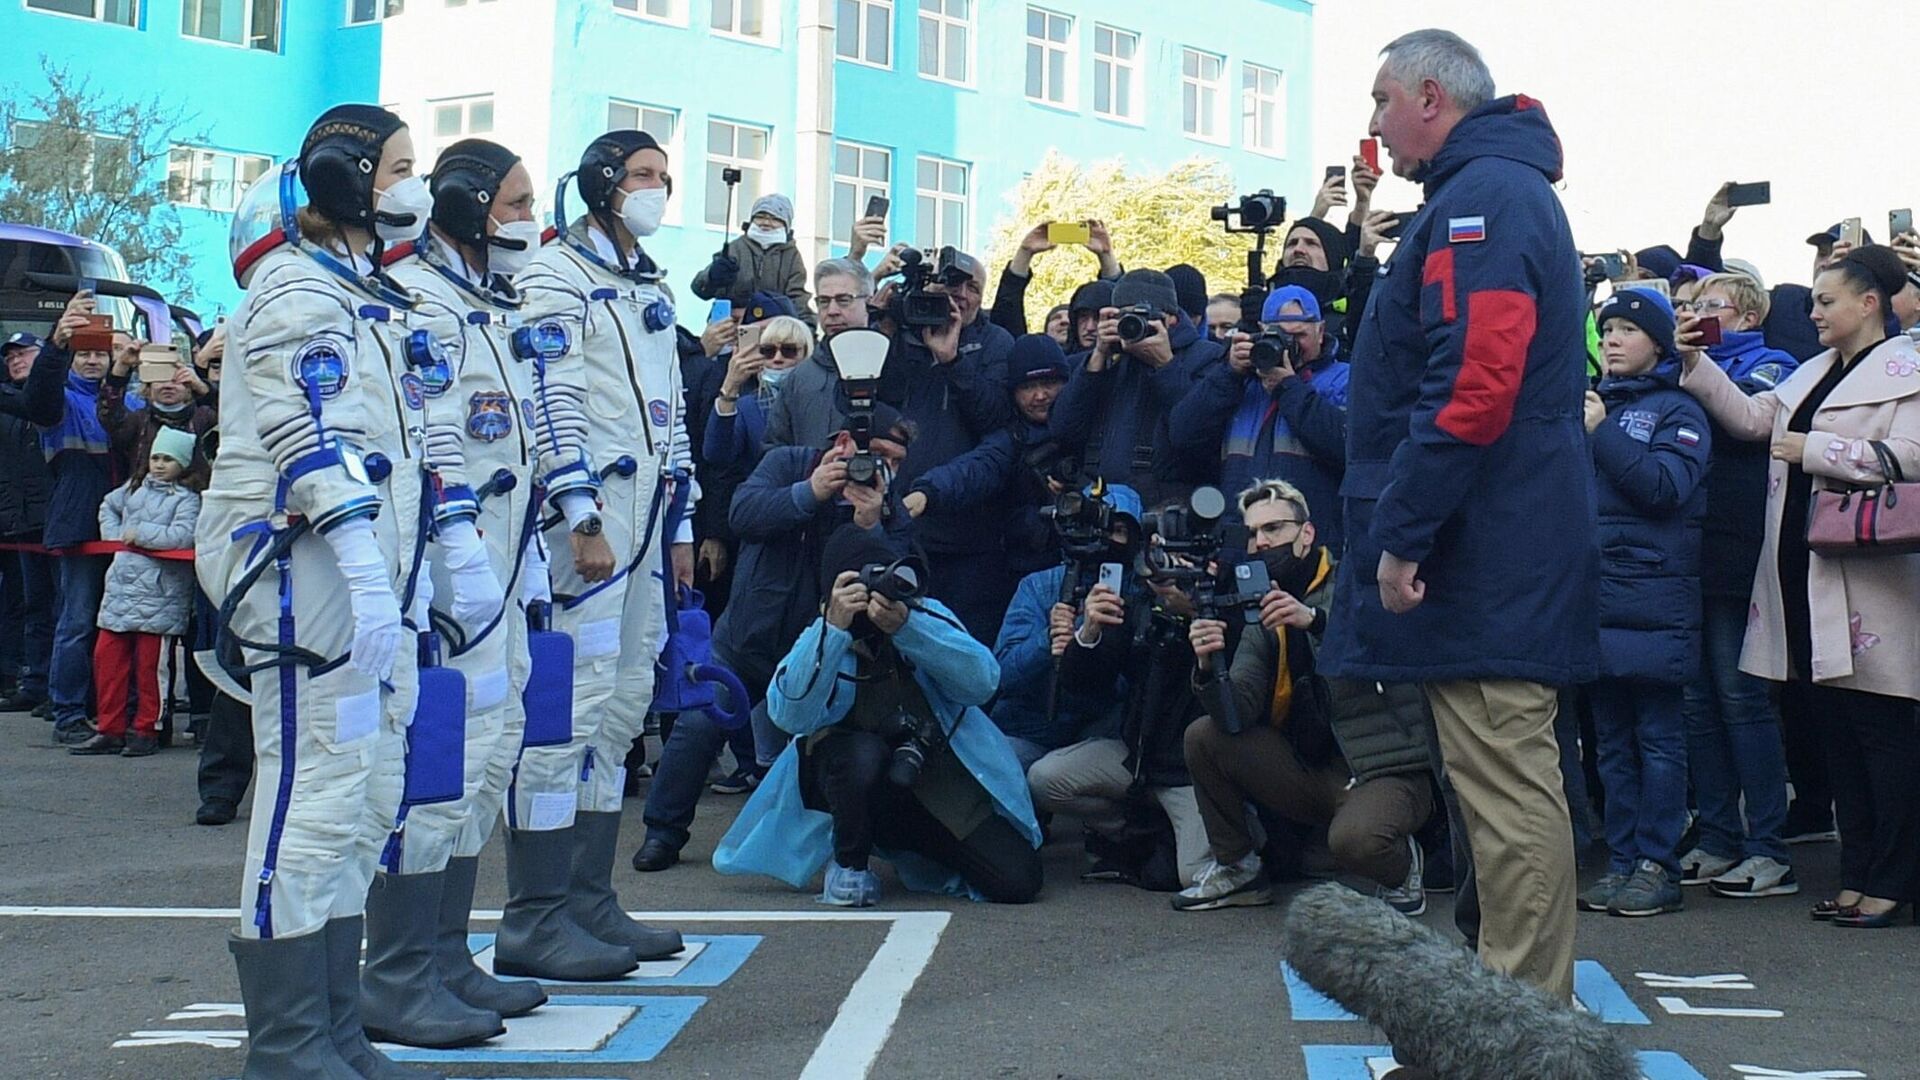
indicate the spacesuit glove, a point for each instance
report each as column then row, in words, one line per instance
column 376, row 611
column 536, row 581
column 477, row 596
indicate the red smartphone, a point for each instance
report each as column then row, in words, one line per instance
column 1370, row 153
column 1709, row 331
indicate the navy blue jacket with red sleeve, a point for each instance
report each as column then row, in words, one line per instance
column 1466, row 450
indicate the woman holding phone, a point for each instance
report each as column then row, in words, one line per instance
column 1841, row 624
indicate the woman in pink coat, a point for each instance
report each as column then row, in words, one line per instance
column 1847, row 625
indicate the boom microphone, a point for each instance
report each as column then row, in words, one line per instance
column 1443, row 1010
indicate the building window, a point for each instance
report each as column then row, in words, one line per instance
column 864, row 32
column 1263, row 109
column 735, row 146
column 941, row 188
column 1116, row 72
column 1049, row 57
column 1201, row 95
column 252, row 23
column 946, row 40
column 459, row 118
column 370, row 11
column 859, row 173
column 91, row 161
column 662, row 10
column 119, row 12
column 211, row 179
column 742, row 18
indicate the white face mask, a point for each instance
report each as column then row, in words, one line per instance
column 766, row 236
column 400, row 213
column 642, row 210
column 510, row 261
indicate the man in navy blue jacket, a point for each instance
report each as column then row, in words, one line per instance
column 1114, row 411
column 1470, row 565
column 1283, row 424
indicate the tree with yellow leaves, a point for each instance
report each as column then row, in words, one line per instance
column 1156, row 219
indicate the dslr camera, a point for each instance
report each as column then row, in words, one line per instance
column 1271, row 348
column 914, row 304
column 1137, row 323
column 918, row 738
column 900, row 581
column 1260, row 212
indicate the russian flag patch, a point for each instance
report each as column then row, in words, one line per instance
column 1687, row 437
column 1466, row 230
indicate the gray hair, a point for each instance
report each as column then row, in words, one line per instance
column 1446, row 58
column 848, row 268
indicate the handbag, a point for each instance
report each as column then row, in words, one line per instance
column 1879, row 520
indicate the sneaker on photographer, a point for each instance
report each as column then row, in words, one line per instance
column 1409, row 898
column 849, row 888
column 1241, row 884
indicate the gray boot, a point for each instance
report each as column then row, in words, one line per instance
column 401, row 996
column 590, row 897
column 343, row 1004
column 455, row 961
column 537, row 939
column 287, row 1022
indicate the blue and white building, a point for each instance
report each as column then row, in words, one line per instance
column 940, row 105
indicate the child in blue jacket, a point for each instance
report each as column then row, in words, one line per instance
column 1650, row 443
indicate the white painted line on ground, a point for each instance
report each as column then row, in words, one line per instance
column 32, row 911
column 1789, row 1074
column 219, row 1040
column 220, row 1010
column 1679, row 1007
column 1657, row 981
column 865, row 1021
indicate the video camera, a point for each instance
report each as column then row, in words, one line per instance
column 1184, row 548
column 1258, row 214
column 860, row 356
column 913, row 304
column 1049, row 461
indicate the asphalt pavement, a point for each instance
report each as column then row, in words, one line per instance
column 115, row 907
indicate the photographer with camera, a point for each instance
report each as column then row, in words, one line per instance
column 1037, row 716
column 1114, row 411
column 1277, row 410
column 882, row 694
column 1349, row 756
column 1010, row 299
column 807, row 410
column 782, row 514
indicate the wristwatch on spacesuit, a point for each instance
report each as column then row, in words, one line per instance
column 588, row 526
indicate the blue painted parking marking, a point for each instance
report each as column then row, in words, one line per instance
column 1593, row 984
column 650, row 1024
column 1351, row 1063
column 710, row 959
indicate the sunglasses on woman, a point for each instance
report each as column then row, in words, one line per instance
column 790, row 352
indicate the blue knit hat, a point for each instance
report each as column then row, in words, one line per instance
column 1035, row 358
column 1646, row 309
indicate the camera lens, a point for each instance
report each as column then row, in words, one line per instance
column 1133, row 327
column 862, row 468
column 908, row 759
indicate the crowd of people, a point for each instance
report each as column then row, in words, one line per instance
column 1436, row 555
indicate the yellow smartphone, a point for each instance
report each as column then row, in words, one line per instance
column 1068, row 232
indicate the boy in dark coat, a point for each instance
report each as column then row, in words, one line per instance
column 1650, row 447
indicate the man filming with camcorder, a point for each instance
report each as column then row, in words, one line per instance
column 1349, row 756
column 1277, row 409
column 881, row 694
column 1114, row 411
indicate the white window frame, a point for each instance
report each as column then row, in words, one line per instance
column 92, row 168
column 385, row 9
column 671, row 144
column 437, row 142
column 1200, row 84
column 676, row 12
column 769, row 24
column 862, row 10
column 929, row 232
column 246, row 29
column 942, row 21
column 95, row 17
column 1118, row 73
column 1252, row 101
column 864, row 186
column 195, row 192
column 715, row 160
column 1069, row 69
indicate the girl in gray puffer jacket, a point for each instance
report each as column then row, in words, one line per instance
column 147, row 598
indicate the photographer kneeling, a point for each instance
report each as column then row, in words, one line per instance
column 1350, row 756
column 891, row 755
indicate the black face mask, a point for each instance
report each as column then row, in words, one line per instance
column 1291, row 573
column 1325, row 285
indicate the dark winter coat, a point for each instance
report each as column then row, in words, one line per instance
column 80, row 478
column 1466, row 449
column 953, row 407
column 25, row 481
column 1737, row 473
column 1118, row 419
column 1026, row 675
column 779, row 270
column 132, row 427
column 1649, row 461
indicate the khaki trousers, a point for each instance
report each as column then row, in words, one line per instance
column 1498, row 742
